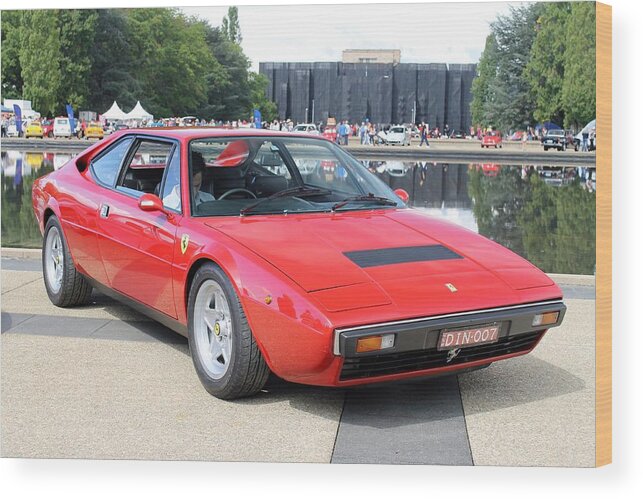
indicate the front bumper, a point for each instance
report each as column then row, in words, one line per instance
column 415, row 346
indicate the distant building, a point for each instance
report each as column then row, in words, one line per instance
column 371, row 56
column 384, row 93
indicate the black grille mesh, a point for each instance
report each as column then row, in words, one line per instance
column 393, row 363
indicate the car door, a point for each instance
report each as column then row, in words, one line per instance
column 137, row 247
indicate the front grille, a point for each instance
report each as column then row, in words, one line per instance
column 393, row 363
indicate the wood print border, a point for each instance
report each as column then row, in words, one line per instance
column 604, row 235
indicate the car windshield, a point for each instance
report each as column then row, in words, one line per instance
column 268, row 175
column 556, row 133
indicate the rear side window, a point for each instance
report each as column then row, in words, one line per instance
column 106, row 167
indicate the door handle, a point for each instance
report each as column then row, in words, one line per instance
column 104, row 210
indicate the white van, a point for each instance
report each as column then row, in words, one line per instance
column 62, row 127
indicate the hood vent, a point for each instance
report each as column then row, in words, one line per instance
column 407, row 254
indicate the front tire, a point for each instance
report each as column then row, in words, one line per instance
column 225, row 355
column 65, row 286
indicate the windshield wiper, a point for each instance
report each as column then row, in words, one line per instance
column 293, row 191
column 370, row 198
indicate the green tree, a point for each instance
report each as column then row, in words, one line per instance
column 513, row 104
column 233, row 94
column 39, row 58
column 579, row 84
column 546, row 67
column 483, row 88
column 230, row 26
column 12, row 82
column 173, row 59
column 114, row 75
column 258, row 84
column 76, row 31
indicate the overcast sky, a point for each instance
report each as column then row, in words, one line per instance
column 431, row 32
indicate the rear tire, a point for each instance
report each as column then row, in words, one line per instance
column 65, row 286
column 224, row 352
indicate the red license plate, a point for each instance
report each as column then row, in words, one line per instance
column 463, row 338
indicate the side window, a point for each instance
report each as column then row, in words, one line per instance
column 107, row 166
column 143, row 172
column 171, row 195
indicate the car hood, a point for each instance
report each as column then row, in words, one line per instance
column 372, row 258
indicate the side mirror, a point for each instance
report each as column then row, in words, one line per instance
column 150, row 202
column 402, row 194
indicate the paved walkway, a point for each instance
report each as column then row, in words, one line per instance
column 103, row 381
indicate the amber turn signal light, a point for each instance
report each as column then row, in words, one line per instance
column 372, row 343
column 545, row 319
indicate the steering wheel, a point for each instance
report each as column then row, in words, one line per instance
column 237, row 191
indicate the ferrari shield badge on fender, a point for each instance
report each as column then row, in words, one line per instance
column 185, row 239
column 451, row 287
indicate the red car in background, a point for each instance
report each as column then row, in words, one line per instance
column 281, row 252
column 47, row 128
column 492, row 139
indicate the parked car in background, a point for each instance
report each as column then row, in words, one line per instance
column 555, row 139
column 310, row 128
column 12, row 130
column 491, row 139
column 62, row 128
column 324, row 278
column 396, row 135
column 34, row 129
column 94, row 130
column 47, row 128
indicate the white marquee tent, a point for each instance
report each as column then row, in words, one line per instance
column 114, row 113
column 138, row 113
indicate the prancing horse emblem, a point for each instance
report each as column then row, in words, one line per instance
column 185, row 239
column 451, row 287
column 452, row 354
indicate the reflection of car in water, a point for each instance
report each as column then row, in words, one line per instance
column 396, row 168
column 487, row 169
column 396, row 135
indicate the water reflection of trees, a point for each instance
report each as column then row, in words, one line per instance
column 554, row 227
column 19, row 225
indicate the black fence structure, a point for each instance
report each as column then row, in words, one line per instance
column 382, row 93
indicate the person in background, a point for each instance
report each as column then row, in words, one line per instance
column 424, row 134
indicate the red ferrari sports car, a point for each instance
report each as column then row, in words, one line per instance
column 267, row 260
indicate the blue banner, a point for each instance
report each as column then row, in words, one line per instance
column 70, row 115
column 18, row 112
column 257, row 115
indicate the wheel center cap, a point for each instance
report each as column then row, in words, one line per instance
column 217, row 329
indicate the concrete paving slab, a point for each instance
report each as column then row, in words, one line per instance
column 12, row 280
column 47, row 325
column 11, row 320
column 25, row 264
column 24, row 292
column 404, row 423
column 137, row 331
column 97, row 399
column 537, row 410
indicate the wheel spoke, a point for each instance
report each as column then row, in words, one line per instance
column 211, row 316
column 215, row 348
